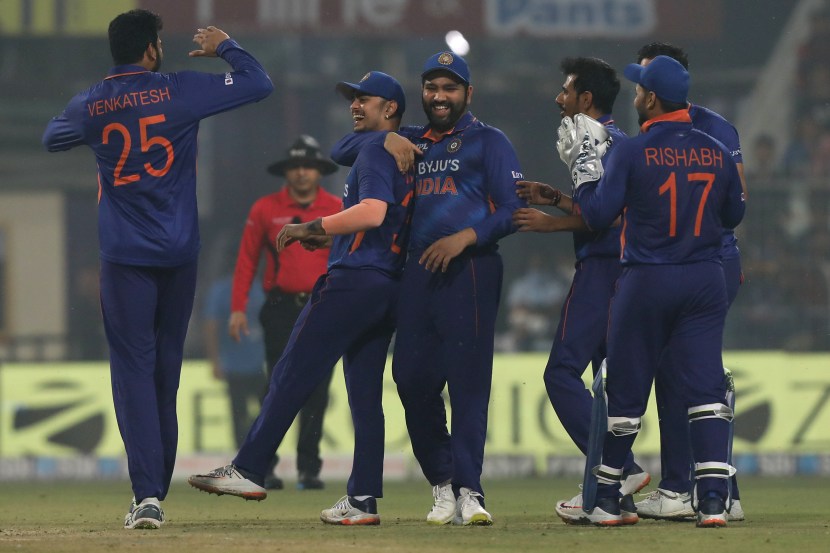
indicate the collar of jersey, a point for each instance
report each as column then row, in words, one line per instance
column 124, row 70
column 466, row 120
column 606, row 119
column 679, row 116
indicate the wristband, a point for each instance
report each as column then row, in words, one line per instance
column 557, row 197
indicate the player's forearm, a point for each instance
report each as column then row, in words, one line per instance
column 366, row 215
column 246, row 68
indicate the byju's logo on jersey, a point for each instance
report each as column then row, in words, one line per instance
column 454, row 145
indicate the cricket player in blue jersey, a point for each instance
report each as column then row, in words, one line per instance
column 142, row 126
column 351, row 313
column 672, row 498
column 465, row 197
column 676, row 189
column 591, row 87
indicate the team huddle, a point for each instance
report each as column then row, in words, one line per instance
column 414, row 253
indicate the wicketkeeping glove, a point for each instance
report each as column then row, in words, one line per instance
column 584, row 143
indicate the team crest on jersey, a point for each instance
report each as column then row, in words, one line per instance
column 454, row 145
column 445, row 59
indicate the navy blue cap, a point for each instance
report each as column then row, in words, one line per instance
column 664, row 76
column 447, row 61
column 375, row 83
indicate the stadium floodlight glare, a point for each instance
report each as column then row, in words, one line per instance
column 457, row 43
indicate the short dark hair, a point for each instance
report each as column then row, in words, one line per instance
column 130, row 33
column 595, row 76
column 668, row 106
column 654, row 49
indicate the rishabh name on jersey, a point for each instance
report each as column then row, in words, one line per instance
column 142, row 127
column 461, row 180
column 676, row 184
column 375, row 175
column 603, row 243
column 716, row 126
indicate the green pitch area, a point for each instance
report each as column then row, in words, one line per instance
column 782, row 515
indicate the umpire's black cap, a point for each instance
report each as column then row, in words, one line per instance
column 305, row 152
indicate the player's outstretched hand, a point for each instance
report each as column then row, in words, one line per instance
column 533, row 220
column 209, row 40
column 299, row 232
column 290, row 234
column 537, row 193
column 441, row 252
column 313, row 243
column 402, row 150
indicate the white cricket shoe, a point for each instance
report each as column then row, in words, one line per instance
column 228, row 480
column 666, row 505
column 634, row 482
column 147, row 515
column 736, row 513
column 469, row 511
column 571, row 512
column 711, row 513
column 351, row 512
column 443, row 506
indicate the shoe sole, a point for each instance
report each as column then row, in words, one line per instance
column 712, row 523
column 440, row 522
column 361, row 521
column 646, row 481
column 585, row 521
column 478, row 519
column 673, row 517
column 209, row 488
column 145, row 524
column 588, row 522
column 630, row 519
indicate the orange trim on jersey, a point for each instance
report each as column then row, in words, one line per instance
column 475, row 291
column 126, row 74
column 99, row 187
column 679, row 116
column 491, row 203
column 358, row 238
column 430, row 135
column 622, row 233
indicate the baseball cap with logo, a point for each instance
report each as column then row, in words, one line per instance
column 664, row 76
column 305, row 152
column 447, row 61
column 375, row 83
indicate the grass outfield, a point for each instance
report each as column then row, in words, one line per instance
column 791, row 514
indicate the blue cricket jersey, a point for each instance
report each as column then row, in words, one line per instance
column 676, row 187
column 466, row 178
column 142, row 127
column 375, row 175
column 713, row 124
column 606, row 242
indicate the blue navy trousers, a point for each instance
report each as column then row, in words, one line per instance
column 350, row 314
column 675, row 449
column 580, row 340
column 146, row 311
column 681, row 308
column 446, row 327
